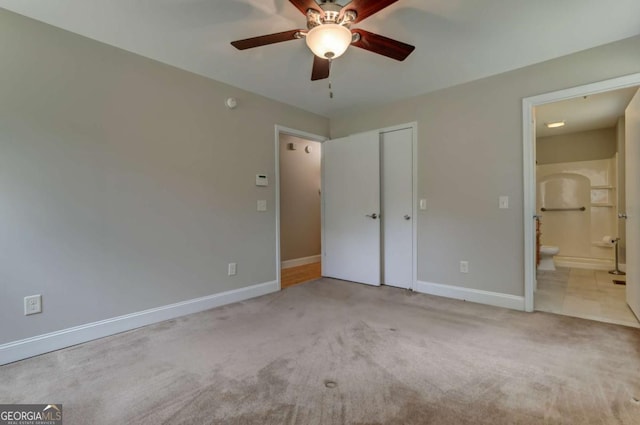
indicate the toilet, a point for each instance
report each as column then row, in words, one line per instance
column 546, row 257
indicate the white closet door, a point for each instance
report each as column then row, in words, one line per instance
column 632, row 179
column 351, row 195
column 397, row 207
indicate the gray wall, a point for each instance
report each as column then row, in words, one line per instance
column 470, row 152
column 125, row 184
column 580, row 146
column 300, row 183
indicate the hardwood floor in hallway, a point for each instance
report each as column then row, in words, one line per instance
column 300, row 274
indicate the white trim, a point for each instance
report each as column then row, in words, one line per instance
column 29, row 347
column 528, row 158
column 279, row 129
column 414, row 282
column 287, row 264
column 323, row 244
column 496, row 299
column 529, row 207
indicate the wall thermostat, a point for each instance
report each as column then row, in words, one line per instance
column 262, row 180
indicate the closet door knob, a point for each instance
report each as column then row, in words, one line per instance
column 407, row 217
column 622, row 215
column 373, row 216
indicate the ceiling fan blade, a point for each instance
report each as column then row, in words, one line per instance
column 382, row 45
column 321, row 68
column 304, row 5
column 366, row 8
column 263, row 40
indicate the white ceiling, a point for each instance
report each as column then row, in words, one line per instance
column 456, row 41
column 593, row 112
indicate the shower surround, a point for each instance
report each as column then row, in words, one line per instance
column 563, row 189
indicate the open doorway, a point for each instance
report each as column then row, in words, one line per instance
column 299, row 207
column 574, row 192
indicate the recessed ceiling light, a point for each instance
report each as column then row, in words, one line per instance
column 555, row 124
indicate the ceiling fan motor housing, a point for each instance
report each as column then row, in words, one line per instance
column 331, row 16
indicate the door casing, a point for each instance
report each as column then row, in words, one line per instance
column 303, row 135
column 529, row 168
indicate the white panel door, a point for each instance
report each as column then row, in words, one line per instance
column 351, row 196
column 397, row 207
column 632, row 177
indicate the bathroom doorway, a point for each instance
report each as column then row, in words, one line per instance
column 575, row 190
column 299, row 162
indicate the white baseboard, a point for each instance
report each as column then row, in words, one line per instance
column 474, row 295
column 300, row 261
column 29, row 347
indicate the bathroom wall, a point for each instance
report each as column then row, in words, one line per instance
column 601, row 209
column 559, row 197
column 592, row 154
column 579, row 146
column 299, row 198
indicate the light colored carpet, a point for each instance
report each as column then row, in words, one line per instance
column 395, row 357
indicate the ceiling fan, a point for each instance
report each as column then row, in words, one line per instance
column 329, row 33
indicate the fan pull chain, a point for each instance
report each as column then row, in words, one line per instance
column 330, row 91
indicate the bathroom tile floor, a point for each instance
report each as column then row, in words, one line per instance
column 589, row 294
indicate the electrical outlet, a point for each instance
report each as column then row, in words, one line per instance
column 32, row 304
column 464, row 267
column 262, row 205
column 232, row 269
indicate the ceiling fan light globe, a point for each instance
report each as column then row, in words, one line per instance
column 328, row 41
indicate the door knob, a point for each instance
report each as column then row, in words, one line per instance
column 407, row 217
column 622, row 215
column 373, row 216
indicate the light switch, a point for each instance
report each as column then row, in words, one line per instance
column 262, row 180
column 262, row 205
column 503, row 202
column 423, row 204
